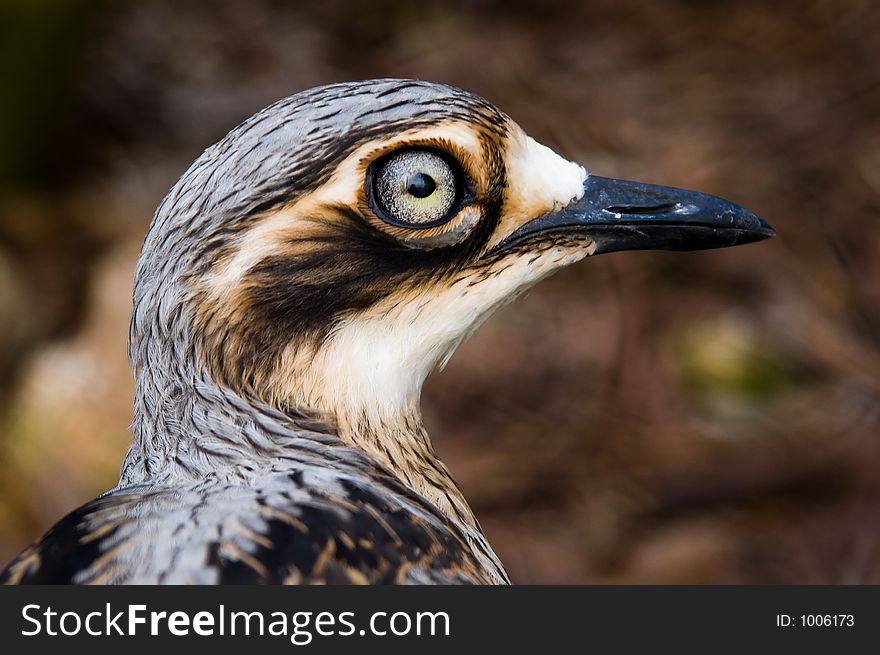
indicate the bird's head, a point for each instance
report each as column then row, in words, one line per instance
column 336, row 247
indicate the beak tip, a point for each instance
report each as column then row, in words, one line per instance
column 762, row 229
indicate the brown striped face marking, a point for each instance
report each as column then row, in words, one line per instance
column 477, row 177
column 361, row 282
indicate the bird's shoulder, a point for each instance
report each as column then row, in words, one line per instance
column 308, row 525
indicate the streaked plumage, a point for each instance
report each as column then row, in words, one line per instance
column 287, row 311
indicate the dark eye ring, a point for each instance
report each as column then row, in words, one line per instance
column 415, row 188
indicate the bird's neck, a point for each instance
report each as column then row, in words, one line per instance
column 366, row 379
column 187, row 426
column 174, row 409
column 363, row 386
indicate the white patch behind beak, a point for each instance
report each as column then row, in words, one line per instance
column 548, row 179
column 538, row 181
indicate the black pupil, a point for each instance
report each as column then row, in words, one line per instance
column 420, row 185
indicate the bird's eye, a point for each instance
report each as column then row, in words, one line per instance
column 415, row 189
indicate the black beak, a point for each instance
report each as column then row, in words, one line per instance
column 623, row 215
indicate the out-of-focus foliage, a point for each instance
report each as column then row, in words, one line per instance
column 641, row 417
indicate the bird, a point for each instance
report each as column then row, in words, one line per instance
column 295, row 288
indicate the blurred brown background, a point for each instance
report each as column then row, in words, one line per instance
column 642, row 417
